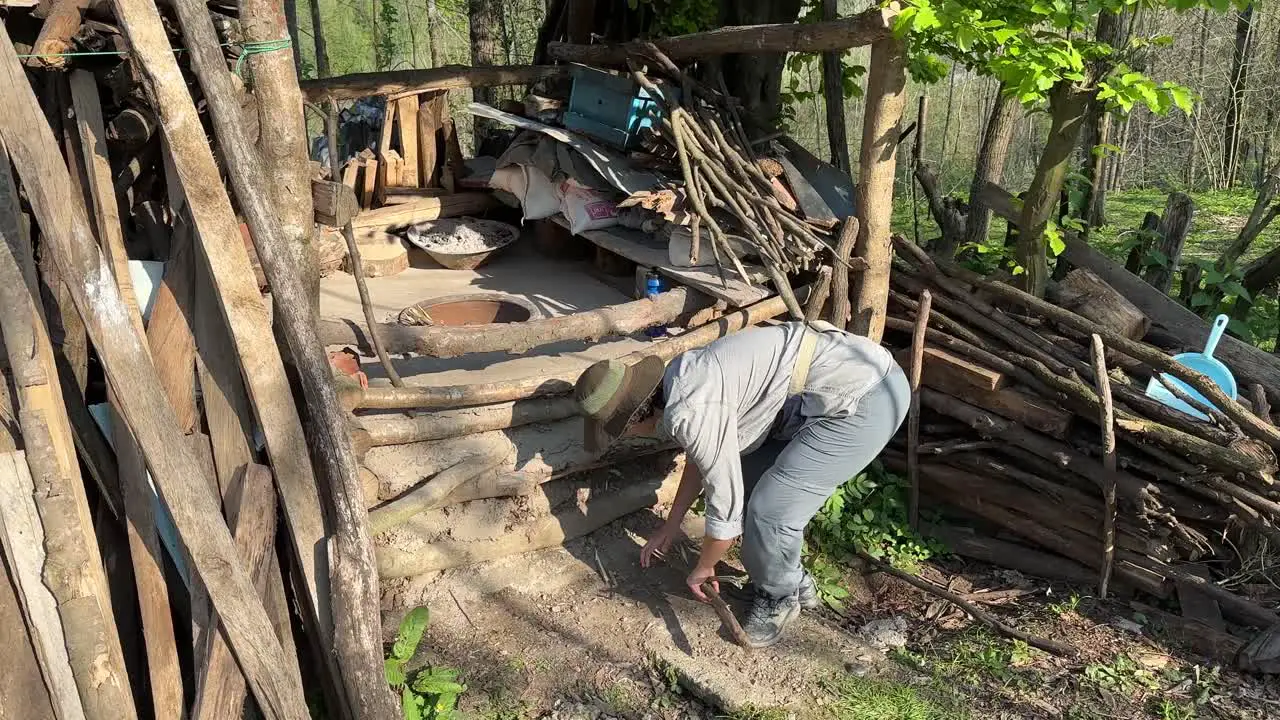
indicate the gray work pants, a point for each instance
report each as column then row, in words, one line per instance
column 788, row 481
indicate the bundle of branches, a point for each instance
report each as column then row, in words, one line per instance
column 724, row 181
column 1020, row 423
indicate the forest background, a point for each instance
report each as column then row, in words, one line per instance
column 1228, row 56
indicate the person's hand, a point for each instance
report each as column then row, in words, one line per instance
column 657, row 546
column 699, row 576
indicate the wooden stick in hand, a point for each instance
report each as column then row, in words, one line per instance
column 726, row 615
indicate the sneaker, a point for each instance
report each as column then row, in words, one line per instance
column 768, row 618
column 808, row 593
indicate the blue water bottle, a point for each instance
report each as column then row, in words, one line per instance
column 653, row 286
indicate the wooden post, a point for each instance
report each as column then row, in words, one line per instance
column 886, row 83
column 407, row 110
column 913, row 410
column 140, row 520
column 1106, row 420
column 840, row 272
column 357, row 622
column 123, row 353
column 430, row 110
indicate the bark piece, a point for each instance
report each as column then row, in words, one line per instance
column 1088, row 295
column 1198, row 606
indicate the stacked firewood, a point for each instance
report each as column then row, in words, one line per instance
column 152, row 435
column 1033, row 421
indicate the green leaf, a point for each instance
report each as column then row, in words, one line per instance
column 925, row 19
column 1233, row 287
column 410, row 633
column 1241, row 329
column 1181, row 97
column 409, row 705
column 1201, row 299
column 1155, row 256
column 393, row 671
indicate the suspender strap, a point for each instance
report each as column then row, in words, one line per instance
column 804, row 358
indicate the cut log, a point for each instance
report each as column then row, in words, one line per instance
column 402, row 429
column 61, row 23
column 381, row 255
column 122, row 349
column 655, row 486
column 1088, row 295
column 401, row 216
column 1249, row 363
column 453, row 341
column 862, row 29
column 335, row 203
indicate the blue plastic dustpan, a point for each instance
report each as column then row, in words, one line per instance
column 1204, row 363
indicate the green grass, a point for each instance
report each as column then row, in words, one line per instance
column 874, row 699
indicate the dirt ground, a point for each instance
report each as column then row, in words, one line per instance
column 586, row 623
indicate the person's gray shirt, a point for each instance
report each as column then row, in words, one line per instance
column 727, row 398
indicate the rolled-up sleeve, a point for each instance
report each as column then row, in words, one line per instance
column 709, row 435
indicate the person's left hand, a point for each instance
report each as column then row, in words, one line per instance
column 699, row 576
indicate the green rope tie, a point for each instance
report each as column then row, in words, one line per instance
column 258, row 48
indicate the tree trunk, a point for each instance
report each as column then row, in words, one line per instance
column 1173, row 229
column 322, row 51
column 1096, row 132
column 1069, row 105
column 291, row 20
column 486, row 49
column 1193, row 152
column 1236, row 85
column 833, row 93
column 282, row 139
column 754, row 77
column 1262, row 214
column 433, row 34
column 990, row 168
column 877, row 163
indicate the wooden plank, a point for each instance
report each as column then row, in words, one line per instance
column 369, row 183
column 386, row 136
column 1031, row 410
column 430, row 112
column 812, row 206
column 22, row 537
column 141, row 522
column 122, row 351
column 398, row 217
column 384, row 177
column 169, row 334
column 644, row 249
column 252, row 517
column 952, row 372
column 350, row 173
column 401, row 195
column 23, row 695
column 408, row 113
column 453, row 161
column 79, row 586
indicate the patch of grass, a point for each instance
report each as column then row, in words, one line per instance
column 874, row 699
column 497, row 707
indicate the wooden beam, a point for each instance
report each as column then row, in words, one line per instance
column 402, row 215
column 140, row 518
column 864, row 28
column 357, row 641
column 886, row 84
column 252, row 517
column 448, row 77
column 122, row 350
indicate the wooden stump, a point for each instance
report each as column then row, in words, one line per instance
column 381, row 255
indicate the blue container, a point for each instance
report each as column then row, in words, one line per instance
column 611, row 108
column 1204, row 363
column 652, row 288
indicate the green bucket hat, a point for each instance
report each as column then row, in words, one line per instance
column 610, row 392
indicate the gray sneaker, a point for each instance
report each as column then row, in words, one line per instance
column 768, row 618
column 808, row 593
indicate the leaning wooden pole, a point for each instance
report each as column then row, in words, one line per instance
column 877, row 162
column 242, row 306
column 913, row 410
column 1106, row 420
column 146, row 409
column 354, row 586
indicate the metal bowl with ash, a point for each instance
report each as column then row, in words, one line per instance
column 463, row 243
